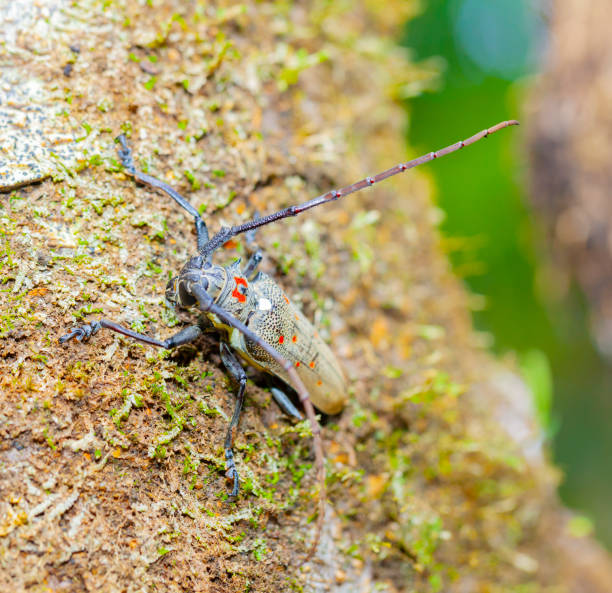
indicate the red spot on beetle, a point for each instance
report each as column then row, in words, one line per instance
column 294, row 339
column 297, row 364
column 236, row 293
column 281, row 339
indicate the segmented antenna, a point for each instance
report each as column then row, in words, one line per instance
column 227, row 233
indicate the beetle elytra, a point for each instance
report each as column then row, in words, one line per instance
column 256, row 318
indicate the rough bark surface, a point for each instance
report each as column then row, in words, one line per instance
column 111, row 460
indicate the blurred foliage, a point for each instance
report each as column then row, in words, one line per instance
column 483, row 51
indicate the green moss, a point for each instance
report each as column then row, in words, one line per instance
column 130, row 400
column 295, row 585
column 85, row 311
column 195, row 183
column 49, row 439
column 210, row 412
column 260, row 549
column 295, row 64
column 158, row 452
column 150, row 83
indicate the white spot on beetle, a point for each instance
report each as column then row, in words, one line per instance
column 264, row 304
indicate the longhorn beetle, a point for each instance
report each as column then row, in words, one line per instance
column 256, row 318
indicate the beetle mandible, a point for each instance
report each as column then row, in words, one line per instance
column 254, row 315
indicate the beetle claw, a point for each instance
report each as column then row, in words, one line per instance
column 75, row 333
column 234, row 493
column 81, row 333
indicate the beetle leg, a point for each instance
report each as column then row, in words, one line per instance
column 125, row 154
column 252, row 264
column 285, row 404
column 85, row 331
column 235, row 369
column 206, row 304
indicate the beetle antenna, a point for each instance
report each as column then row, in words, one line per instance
column 227, row 233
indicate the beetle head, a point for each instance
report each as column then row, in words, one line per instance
column 197, row 271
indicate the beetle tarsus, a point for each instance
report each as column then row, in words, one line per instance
column 232, row 473
column 125, row 154
column 82, row 333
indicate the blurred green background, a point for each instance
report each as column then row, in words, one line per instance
column 489, row 51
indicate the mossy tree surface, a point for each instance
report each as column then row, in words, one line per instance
column 111, row 454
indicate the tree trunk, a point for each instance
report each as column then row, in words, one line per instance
column 112, row 452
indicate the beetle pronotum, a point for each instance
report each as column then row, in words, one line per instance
column 257, row 319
